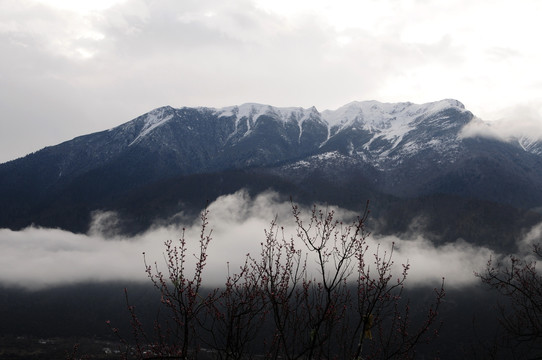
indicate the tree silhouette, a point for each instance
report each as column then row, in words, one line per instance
column 317, row 294
column 520, row 314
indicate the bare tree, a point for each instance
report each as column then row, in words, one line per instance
column 235, row 319
column 348, row 299
column 176, row 332
column 318, row 294
column 520, row 314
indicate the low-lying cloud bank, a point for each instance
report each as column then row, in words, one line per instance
column 37, row 258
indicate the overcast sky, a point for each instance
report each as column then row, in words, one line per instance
column 71, row 67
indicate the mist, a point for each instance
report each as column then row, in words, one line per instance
column 37, row 258
column 515, row 122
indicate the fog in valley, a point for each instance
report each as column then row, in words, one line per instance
column 38, row 258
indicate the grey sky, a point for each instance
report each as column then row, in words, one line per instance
column 71, row 67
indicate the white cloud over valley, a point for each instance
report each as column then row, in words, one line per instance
column 37, row 258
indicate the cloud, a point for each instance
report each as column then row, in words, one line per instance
column 456, row 262
column 531, row 238
column 37, row 258
column 512, row 123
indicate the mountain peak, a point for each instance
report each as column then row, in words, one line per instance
column 154, row 119
column 377, row 115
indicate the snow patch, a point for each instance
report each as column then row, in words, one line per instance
column 302, row 164
column 153, row 120
column 250, row 113
column 328, row 155
column 247, row 111
column 254, row 111
column 530, row 145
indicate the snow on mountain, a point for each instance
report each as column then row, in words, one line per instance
column 391, row 119
column 249, row 112
column 382, row 134
column 252, row 111
column 247, row 115
column 531, row 145
column 317, row 161
column 154, row 119
column 392, row 132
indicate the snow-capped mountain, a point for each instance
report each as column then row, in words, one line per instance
column 380, row 134
column 363, row 149
column 392, row 133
